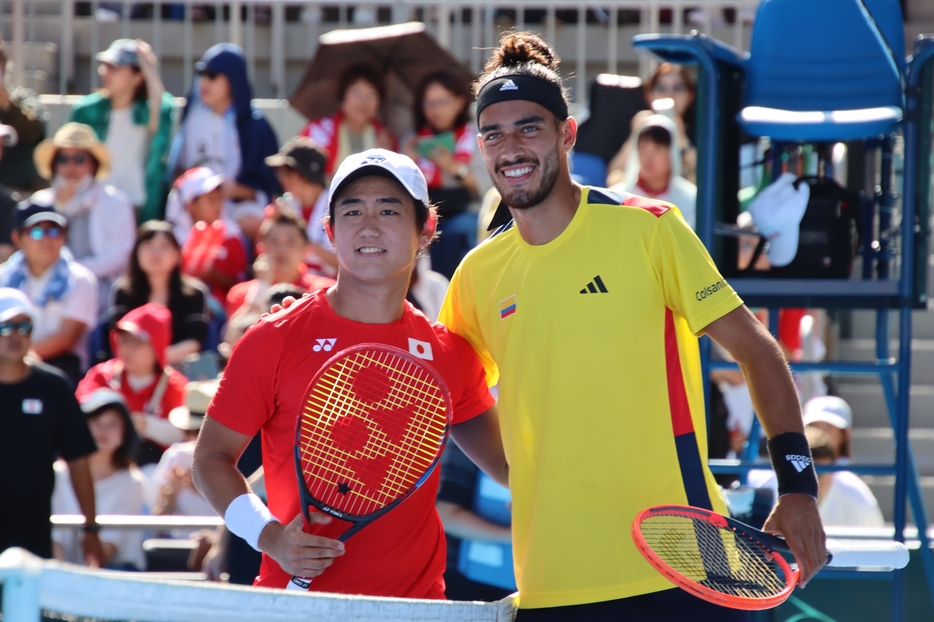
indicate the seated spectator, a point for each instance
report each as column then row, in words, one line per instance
column 222, row 131
column 100, row 217
column 461, row 487
column 64, row 291
column 833, row 416
column 299, row 167
column 140, row 373
column 427, row 289
column 214, row 252
column 354, row 127
column 669, row 82
column 118, row 484
column 654, row 169
column 175, row 492
column 41, row 422
column 20, row 109
column 283, row 241
column 155, row 276
column 843, row 499
column 8, row 138
column 132, row 114
column 443, row 148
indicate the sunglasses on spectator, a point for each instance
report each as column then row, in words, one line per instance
column 677, row 88
column 210, row 74
column 21, row 328
column 38, row 232
column 77, row 158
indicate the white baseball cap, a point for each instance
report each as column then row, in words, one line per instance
column 14, row 302
column 197, row 182
column 380, row 162
column 777, row 211
column 829, row 409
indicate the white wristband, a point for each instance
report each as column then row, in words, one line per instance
column 246, row 516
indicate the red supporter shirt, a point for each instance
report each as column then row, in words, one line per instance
column 402, row 553
column 221, row 251
column 238, row 294
column 110, row 374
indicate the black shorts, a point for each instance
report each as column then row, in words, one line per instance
column 667, row 606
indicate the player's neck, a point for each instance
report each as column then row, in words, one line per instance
column 368, row 304
column 546, row 221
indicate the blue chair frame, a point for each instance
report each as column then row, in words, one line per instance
column 715, row 61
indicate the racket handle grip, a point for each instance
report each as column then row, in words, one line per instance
column 298, row 584
column 866, row 553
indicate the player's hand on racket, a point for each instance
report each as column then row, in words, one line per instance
column 287, row 302
column 299, row 553
column 796, row 519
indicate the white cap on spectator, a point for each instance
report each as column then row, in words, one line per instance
column 828, row 409
column 14, row 302
column 777, row 211
column 98, row 398
column 197, row 182
column 380, row 162
column 8, row 136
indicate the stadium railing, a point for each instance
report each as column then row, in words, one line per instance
column 598, row 41
column 32, row 586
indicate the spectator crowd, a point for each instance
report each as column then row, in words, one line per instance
column 137, row 246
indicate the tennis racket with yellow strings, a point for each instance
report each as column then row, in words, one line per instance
column 726, row 562
column 370, row 432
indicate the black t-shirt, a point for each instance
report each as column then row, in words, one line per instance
column 40, row 420
column 7, row 207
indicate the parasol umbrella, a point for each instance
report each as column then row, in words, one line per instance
column 403, row 54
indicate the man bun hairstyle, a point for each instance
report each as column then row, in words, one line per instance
column 531, row 64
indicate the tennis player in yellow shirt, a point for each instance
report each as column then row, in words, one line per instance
column 585, row 307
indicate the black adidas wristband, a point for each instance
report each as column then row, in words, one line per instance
column 794, row 468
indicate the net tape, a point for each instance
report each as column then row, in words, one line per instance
column 31, row 584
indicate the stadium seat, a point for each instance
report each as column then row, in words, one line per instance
column 588, row 169
column 819, row 71
column 889, row 20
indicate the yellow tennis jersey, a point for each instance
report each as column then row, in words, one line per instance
column 592, row 340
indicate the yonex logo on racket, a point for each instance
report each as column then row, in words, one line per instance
column 799, row 462
column 324, row 344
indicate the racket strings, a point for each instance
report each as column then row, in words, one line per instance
column 372, row 425
column 713, row 556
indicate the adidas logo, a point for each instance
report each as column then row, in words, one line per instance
column 595, row 286
column 509, row 85
column 324, row 344
column 799, row 462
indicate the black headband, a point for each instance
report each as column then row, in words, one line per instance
column 523, row 87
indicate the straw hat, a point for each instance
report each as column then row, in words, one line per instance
column 198, row 396
column 72, row 136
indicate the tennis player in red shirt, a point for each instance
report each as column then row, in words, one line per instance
column 379, row 221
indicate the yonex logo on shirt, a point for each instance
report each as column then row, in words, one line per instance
column 509, row 85
column 799, row 462
column 324, row 344
column 596, row 286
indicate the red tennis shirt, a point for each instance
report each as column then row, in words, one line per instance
column 401, row 553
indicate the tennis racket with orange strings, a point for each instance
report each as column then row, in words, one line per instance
column 729, row 563
column 370, row 432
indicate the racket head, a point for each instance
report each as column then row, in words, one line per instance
column 371, row 429
column 705, row 554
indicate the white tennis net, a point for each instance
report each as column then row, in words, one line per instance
column 31, row 586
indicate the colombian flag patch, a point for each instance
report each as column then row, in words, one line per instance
column 507, row 307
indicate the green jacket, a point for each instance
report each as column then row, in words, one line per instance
column 94, row 110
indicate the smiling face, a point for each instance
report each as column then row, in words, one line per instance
column 375, row 233
column 524, row 151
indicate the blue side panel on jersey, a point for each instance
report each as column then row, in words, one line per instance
column 602, row 196
column 692, row 471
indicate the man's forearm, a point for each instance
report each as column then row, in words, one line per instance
column 218, row 480
column 772, row 389
column 83, row 486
